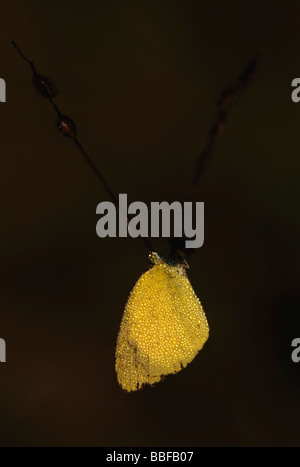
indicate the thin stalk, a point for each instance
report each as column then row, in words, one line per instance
column 68, row 128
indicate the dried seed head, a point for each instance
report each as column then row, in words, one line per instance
column 44, row 86
column 66, row 126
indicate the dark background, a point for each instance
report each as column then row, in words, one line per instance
column 141, row 80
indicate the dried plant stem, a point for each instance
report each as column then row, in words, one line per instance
column 239, row 413
column 225, row 102
column 68, row 129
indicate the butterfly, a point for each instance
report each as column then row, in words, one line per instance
column 163, row 326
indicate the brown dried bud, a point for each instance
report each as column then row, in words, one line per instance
column 66, row 126
column 44, row 86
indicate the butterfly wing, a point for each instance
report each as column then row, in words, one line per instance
column 162, row 330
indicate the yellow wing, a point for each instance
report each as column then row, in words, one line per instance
column 162, row 330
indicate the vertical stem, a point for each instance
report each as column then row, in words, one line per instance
column 240, row 416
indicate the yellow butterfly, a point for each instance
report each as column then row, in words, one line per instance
column 163, row 326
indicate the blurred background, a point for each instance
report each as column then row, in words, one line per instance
column 141, row 80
